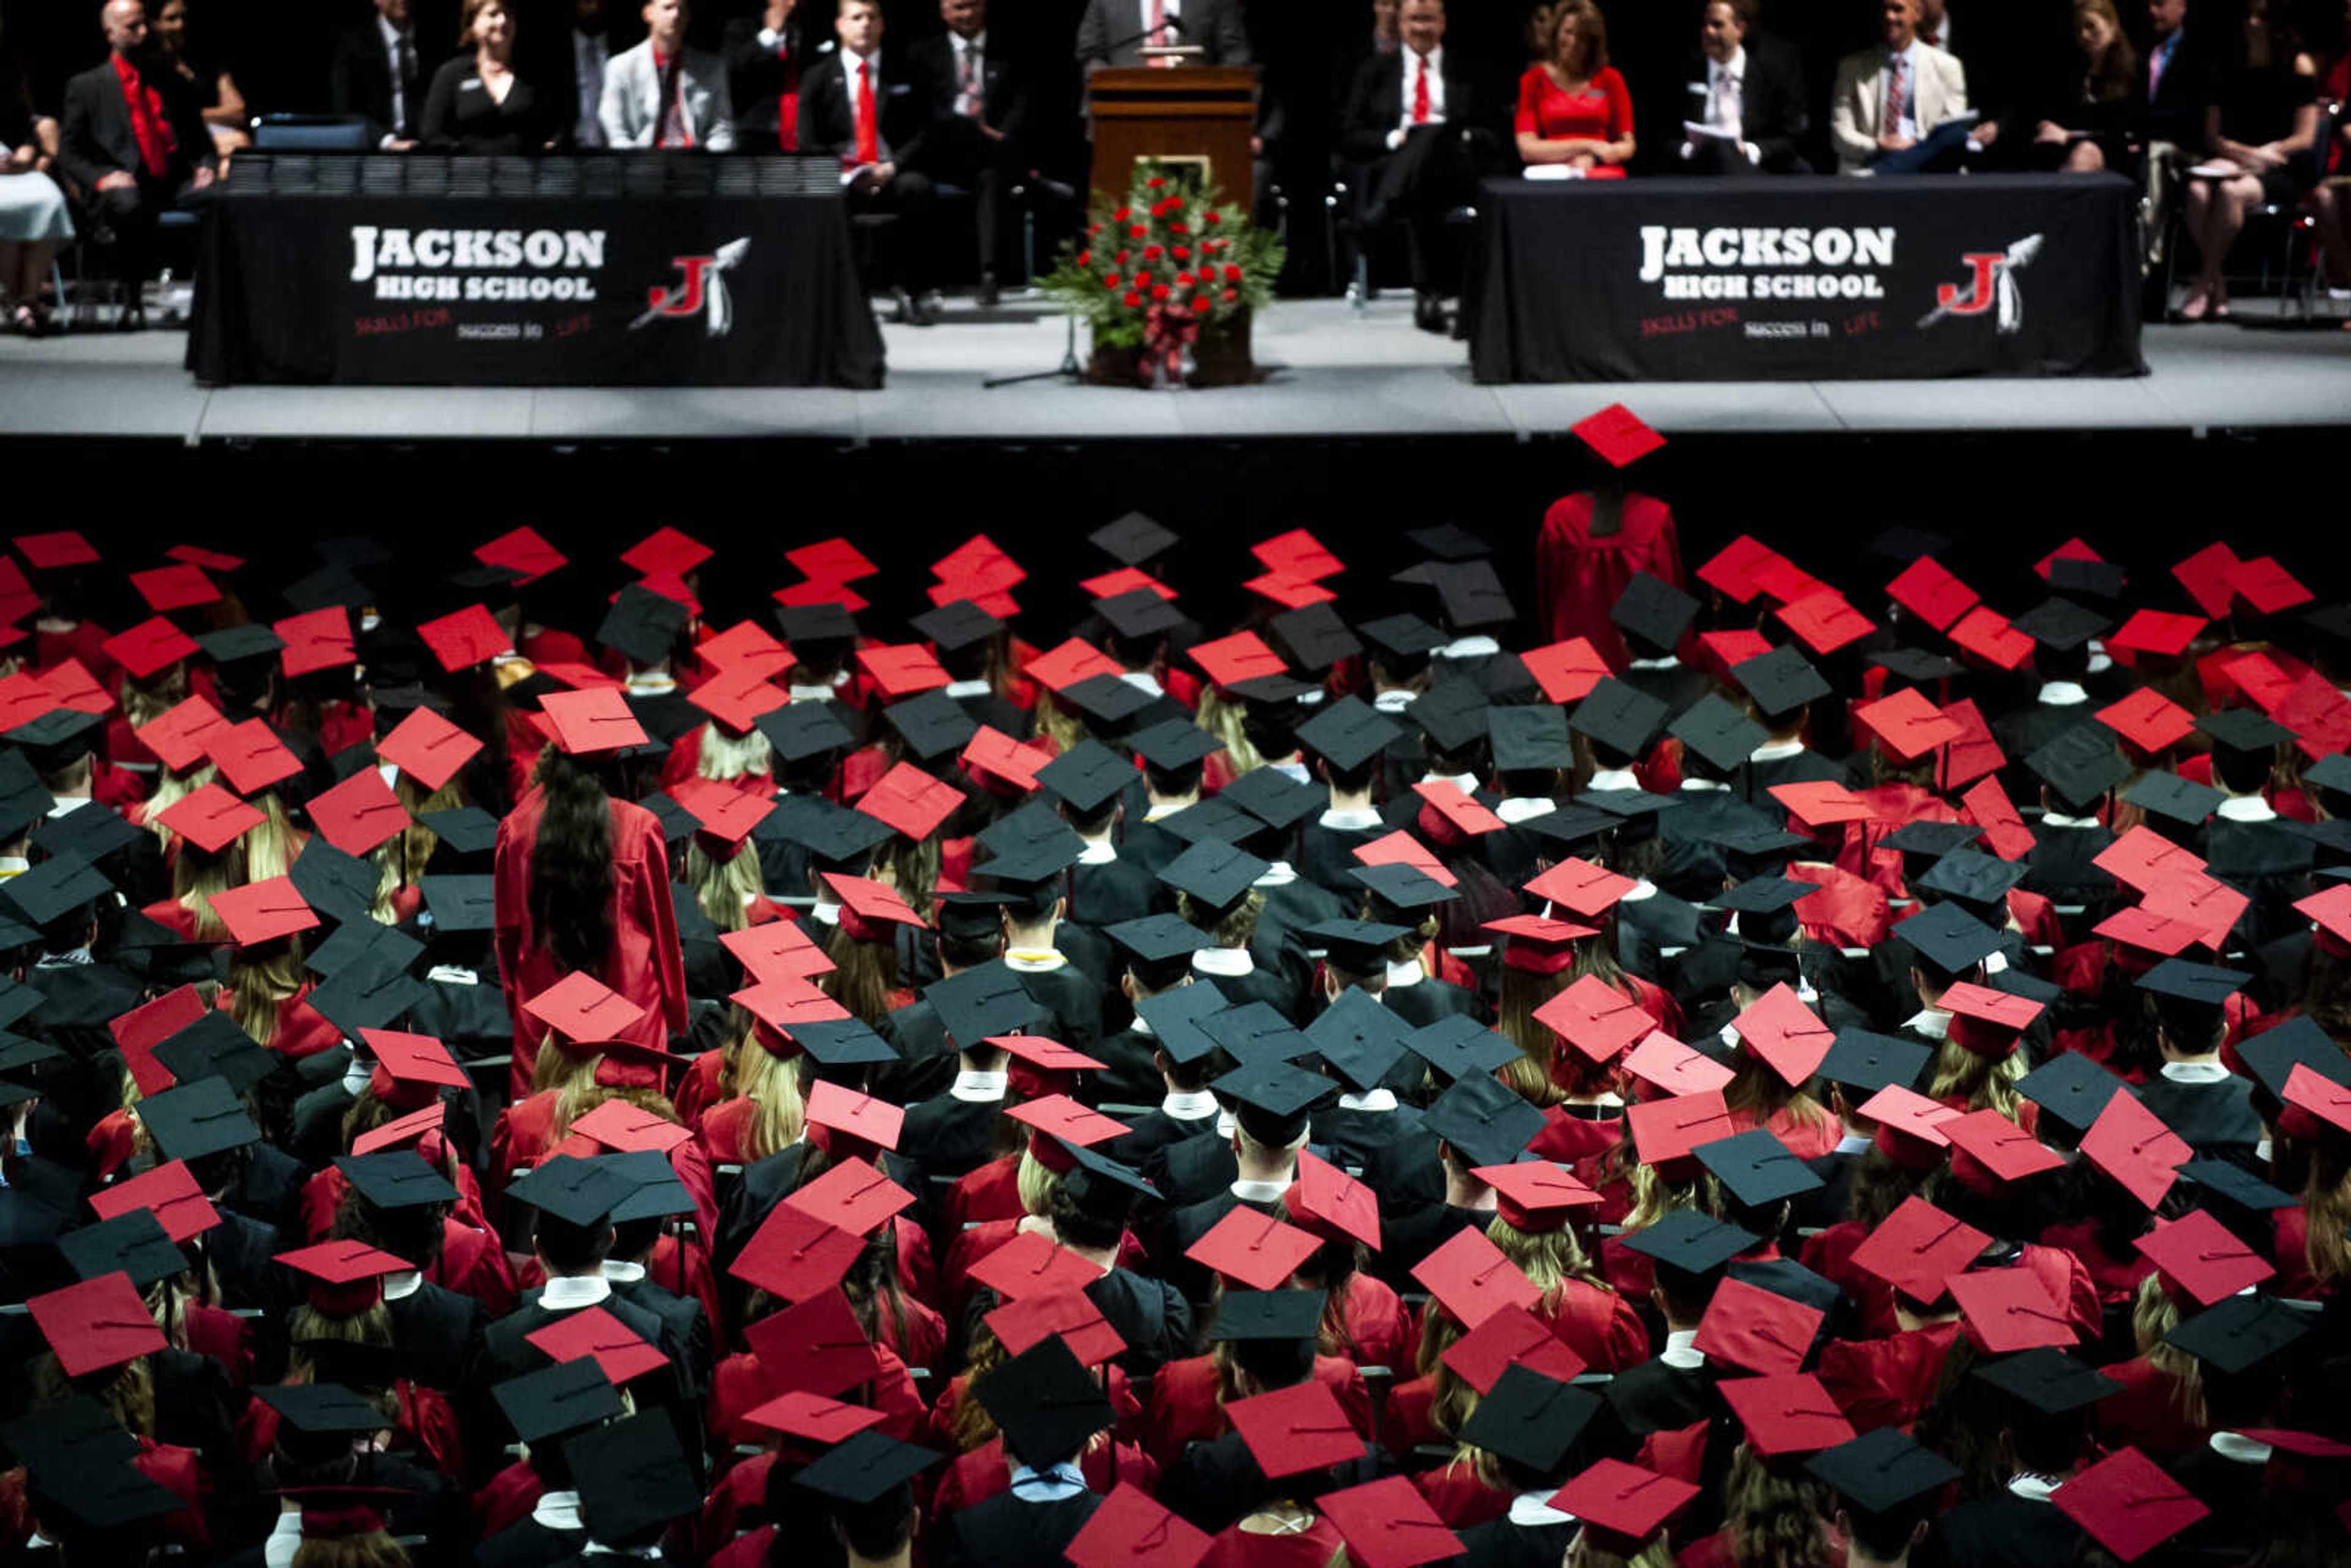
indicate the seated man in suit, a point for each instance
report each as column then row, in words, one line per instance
column 1896, row 104
column 1413, row 120
column 664, row 94
column 379, row 76
column 854, row 108
column 978, row 109
column 133, row 142
column 765, row 56
column 1748, row 91
column 1116, row 32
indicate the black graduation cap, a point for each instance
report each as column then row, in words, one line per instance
column 1460, row 1046
column 642, row 624
column 1174, row 1016
column 2086, row 579
column 865, row 1466
column 1973, row 877
column 1254, row 1031
column 1865, row 1062
column 2061, row 623
column 1316, row 636
column 1486, row 1124
column 1099, row 1182
column 2271, row 1055
column 330, row 586
column 2049, row 1380
column 1134, row 539
column 2240, row 1332
column 1213, row 820
column 1761, row 842
column 578, row 1192
column 1691, row 1241
column 1271, row 1097
column 215, row 1046
column 369, row 993
column 2174, row 798
column 2193, row 982
column 133, row 1243
column 1618, row 715
column 1916, row 665
column 341, row 887
column 1035, row 830
column 460, row 902
column 1451, row 713
column 104, row 1497
column 233, row 643
column 1404, row 887
column 1780, row 681
column 56, row 888
column 1218, row 874
column 1359, row 1039
column 1139, row 614
column 834, row 836
column 75, row 1430
column 1028, row 866
column 1045, row 1403
column 2332, row 771
column 1654, row 610
column 2242, row 729
column 1348, row 733
column 1158, row 938
column 397, row 1178
column 2238, row 1185
column 631, row 1476
column 1881, row 1469
column 955, row 625
column 1087, row 775
column 361, row 940
column 1268, row 1315
column 1273, row 797
column 322, row 1408
column 971, row 916
column 1527, row 737
column 797, row 731
column 656, row 1192
column 1471, row 593
column 466, row 830
column 1531, row 1420
column 1766, row 894
column 1756, row 1167
column 2080, row 764
column 817, row 625
column 1108, row 700
column 1936, row 839
column 981, row 1003
column 930, row 723
column 1358, row 946
column 1174, row 744
column 197, row 1119
column 1717, row 730
column 2072, row 1088
column 842, row 1042
column 1400, row 637
column 1448, row 541
column 93, row 831
column 1949, row 937
column 569, row 1397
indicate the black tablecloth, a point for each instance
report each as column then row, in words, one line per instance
column 1806, row 279
column 646, row 271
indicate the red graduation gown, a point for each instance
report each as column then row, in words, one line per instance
column 739, row 1386
column 1316, row 1546
column 1886, row 1382
column 983, row 1473
column 1579, row 576
column 2145, row 1413
column 1458, row 1497
column 1184, row 1408
column 1599, row 1326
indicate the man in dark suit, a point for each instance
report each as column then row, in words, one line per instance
column 1748, row 89
column 134, row 142
column 855, row 108
column 1113, row 32
column 1413, row 125
column 978, row 106
column 379, row 74
column 766, row 55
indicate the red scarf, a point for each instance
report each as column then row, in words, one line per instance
column 148, row 122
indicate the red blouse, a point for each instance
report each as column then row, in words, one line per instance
column 1602, row 111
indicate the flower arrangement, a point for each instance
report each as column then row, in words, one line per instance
column 1160, row 266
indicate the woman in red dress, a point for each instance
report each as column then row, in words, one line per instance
column 1573, row 108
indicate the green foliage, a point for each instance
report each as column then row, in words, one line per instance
column 1127, row 262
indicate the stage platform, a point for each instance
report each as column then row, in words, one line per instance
column 1331, row 371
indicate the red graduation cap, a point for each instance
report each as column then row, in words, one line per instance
column 665, row 549
column 1053, row 1116
column 1789, row 1412
column 1617, row 434
column 1289, row 592
column 1589, row 890
column 1052, row 1056
column 2201, row 1256
column 174, row 586
column 1667, row 1130
column 1400, row 848
column 2004, row 1149
column 1125, row 579
column 210, row 817
column 2318, row 1094
column 911, row 801
column 2331, row 911
column 1760, row 1330
column 1784, row 580
column 745, row 646
column 980, row 563
column 263, row 911
column 1298, row 554
column 2131, row 1144
column 178, row 737
column 903, row 669
column 1907, row 725
column 835, row 559
column 149, row 647
column 1622, row 1500
column 777, row 950
column 1667, row 1064
column 249, row 755
column 1535, row 1196
column 586, row 723
column 866, row 905
column 738, row 694
column 1595, row 1017
column 316, row 639
column 2010, row 1309
column 1909, row 1127
column 583, row 1009
column 1931, row 593
column 1020, row 1325
column 1388, row 1523
column 359, row 813
column 1539, row 945
column 2128, row 1504
column 1243, row 656
column 1823, row 803
column 2143, row 857
column 1297, row 1428
column 860, row 1116
column 2158, row 633
column 463, row 638
column 813, row 1418
column 1511, row 1336
column 997, row 756
column 415, row 1058
column 342, row 1277
column 1732, row 571
column 595, row 1334
column 137, row 1033
column 1030, row 1264
column 2209, row 904
column 794, row 1254
column 2205, row 575
column 521, row 551
column 1974, row 753
column 1456, row 807
column 2071, row 549
column 1985, row 1021
column 1332, row 1204
column 51, row 552
column 1779, row 1028
column 1253, row 1248
column 852, row 1195
column 724, row 816
column 2149, row 932
column 815, row 1346
column 782, row 1003
column 96, row 1324
column 1130, row 1528
column 427, row 747
column 1918, row 1247
column 631, row 1129
column 1728, row 649
column 2149, row 720
column 1824, row 621
column 1987, row 633
column 1472, row 1278
column 402, row 1130
column 1987, row 806
column 579, row 677
column 168, row 1192
column 2267, row 586
column 1566, row 671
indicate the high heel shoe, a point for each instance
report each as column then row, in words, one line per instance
column 2193, row 308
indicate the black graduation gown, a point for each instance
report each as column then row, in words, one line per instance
column 1149, row 845
column 2000, row 1530
column 434, row 1330
column 927, row 1057
column 1757, row 779
column 744, row 1209
column 1155, row 1133
column 1648, row 928
column 506, row 1353
column 2241, row 1504
column 945, row 1136
column 1325, row 856
column 1149, row 1314
column 2217, row 1119
column 1499, row 1543
column 1655, row 1397
column 1669, row 681
column 1291, row 907
column 1111, row 892
column 1072, row 999
column 685, row 1329
column 666, row 716
column 2058, row 867
column 1193, row 1169
column 1354, row 1139
column 1130, row 1071
column 1413, row 1234
column 527, row 1543
column 1430, row 1000
column 1212, row 1484
column 1003, row 1532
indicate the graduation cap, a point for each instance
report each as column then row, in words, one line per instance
column 1218, row 874
column 1398, row 639
column 1624, row 1503
column 803, row 730
column 1781, row 682
column 2061, row 623
column 1620, row 716
column 1718, row 731
column 2080, row 764
column 2242, row 729
column 1949, row 937
column 1359, row 1039
column 1618, row 435
column 1175, row 1015
column 1045, row 1403
column 1471, row 593
column 1130, row 1529
column 1266, row 1312
column 215, row 1046
column 401, row 1178
column 1866, row 1062
column 1530, row 1419
column 579, row 1192
column 2048, row 1380
column 1880, row 1470
column 97, row 1323
column 1403, row 886
column 2271, row 1055
column 631, row 1476
column 1766, row 894
column 1158, row 938
column 2128, row 1504
column 1271, row 1099
column 2174, row 798
column 57, row 888
column 204, row 1117
column 865, row 1468
column 1174, row 744
column 1485, row 1122
column 1348, row 733
column 834, row 836
column 1916, row 665
column 1086, row 776
column 1527, row 738
column 134, row 1243
column 324, row 1410
column 2072, row 1088
column 1451, row 713
column 1134, row 539
column 1756, row 1167
column 1691, row 1241
column 1460, row 1048
column 1654, row 611
column 642, row 624
column 980, row 1003
column 1273, row 797
column 2241, row 1331
column 93, row 831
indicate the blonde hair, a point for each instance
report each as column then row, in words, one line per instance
column 1037, row 1184
column 726, row 757
column 169, row 789
column 772, row 1086
column 1236, row 928
column 555, row 1068
column 129, row 1398
column 1225, row 720
column 1520, row 993
column 1987, row 1083
column 2155, row 1314
column 373, row 1548
column 197, row 878
column 723, row 888
column 863, row 975
column 258, row 987
column 269, row 844
column 1549, row 1259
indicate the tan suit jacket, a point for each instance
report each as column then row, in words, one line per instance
column 1857, row 103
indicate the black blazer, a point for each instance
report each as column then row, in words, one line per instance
column 1005, row 96
column 359, row 81
column 828, row 127
column 757, row 77
column 460, row 115
column 1772, row 109
column 96, row 138
column 1376, row 103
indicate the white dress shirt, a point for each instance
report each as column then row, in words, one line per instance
column 392, row 38
column 588, row 54
column 1726, row 91
column 1432, row 65
column 970, row 68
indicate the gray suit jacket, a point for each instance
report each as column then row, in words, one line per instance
column 633, row 99
column 1214, row 24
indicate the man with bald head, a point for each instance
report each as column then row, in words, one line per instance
column 134, row 141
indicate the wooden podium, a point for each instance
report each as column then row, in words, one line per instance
column 1202, row 114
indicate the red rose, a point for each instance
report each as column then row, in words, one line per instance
column 1178, row 228
column 1160, row 292
column 1231, row 295
column 1121, row 216
column 1142, row 280
column 1212, row 217
column 1122, row 258
column 1085, row 259
column 1152, row 253
column 1110, row 281
column 1154, row 182
column 1232, row 273
column 1136, row 231
column 1132, row 300
column 1183, row 253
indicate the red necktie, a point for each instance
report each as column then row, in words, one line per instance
column 869, row 130
column 787, row 107
column 1894, row 97
column 154, row 137
column 1420, row 90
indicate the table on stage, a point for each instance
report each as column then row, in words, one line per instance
column 624, row 269
column 1805, row 278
